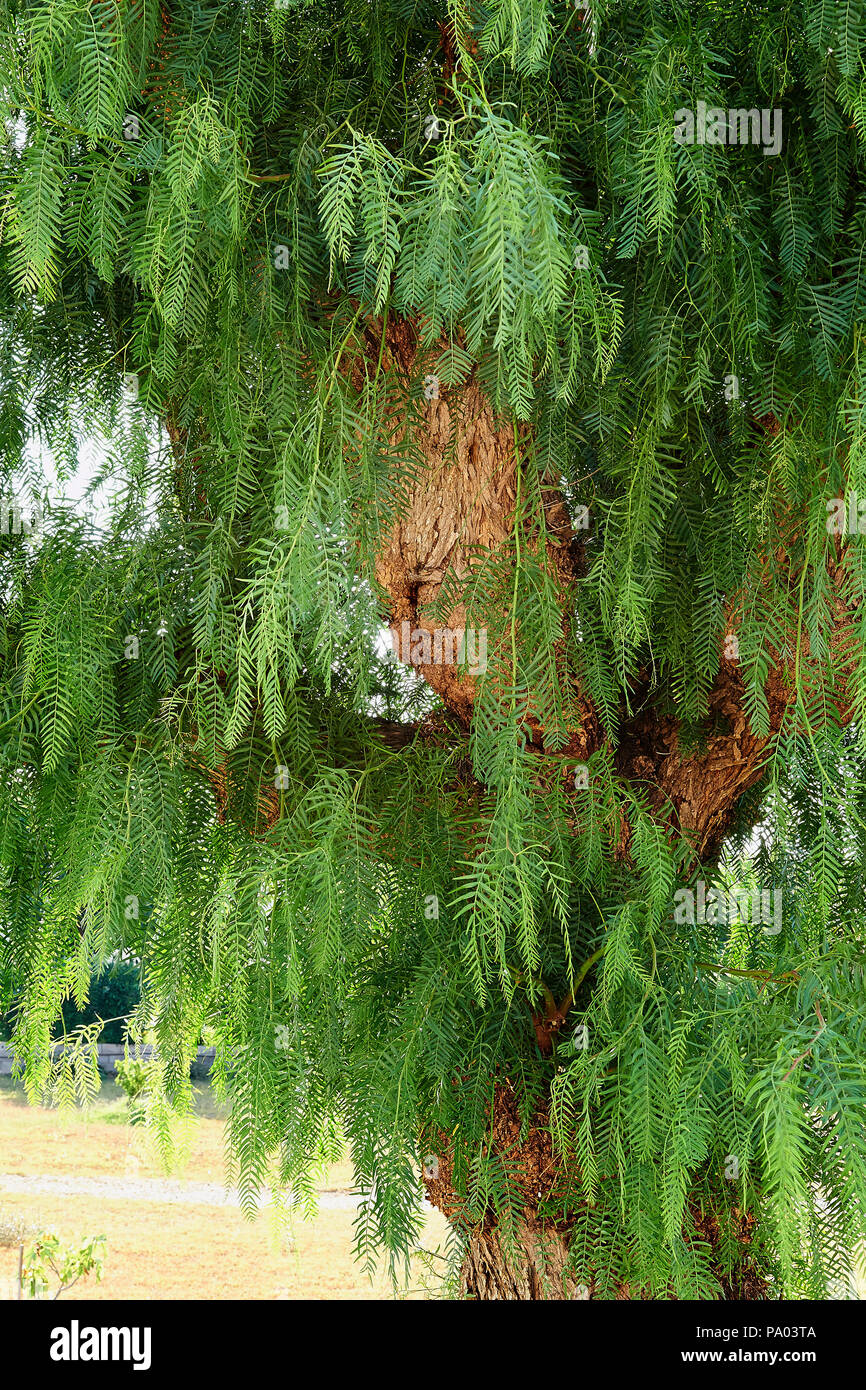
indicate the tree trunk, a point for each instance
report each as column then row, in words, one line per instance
column 532, row 1266
column 527, row 1257
column 463, row 500
column 529, row 1267
column 534, row 1269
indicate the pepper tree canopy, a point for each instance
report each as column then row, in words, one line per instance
column 394, row 314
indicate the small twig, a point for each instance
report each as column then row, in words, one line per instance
column 64, row 1288
column 583, row 972
column 797, row 1060
column 556, row 1014
column 764, row 975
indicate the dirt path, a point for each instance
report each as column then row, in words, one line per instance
column 211, row 1194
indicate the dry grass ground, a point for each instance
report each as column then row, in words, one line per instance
column 155, row 1251
column 170, row 1250
column 165, row 1250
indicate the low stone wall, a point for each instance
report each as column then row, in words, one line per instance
column 108, row 1055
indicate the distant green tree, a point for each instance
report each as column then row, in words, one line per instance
column 113, row 994
column 532, row 332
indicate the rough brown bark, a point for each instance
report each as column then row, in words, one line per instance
column 533, row 1268
column 528, row 1258
column 462, row 501
column 702, row 789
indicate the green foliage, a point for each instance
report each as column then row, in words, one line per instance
column 52, row 1266
column 370, row 960
column 132, row 1075
column 49, row 1266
